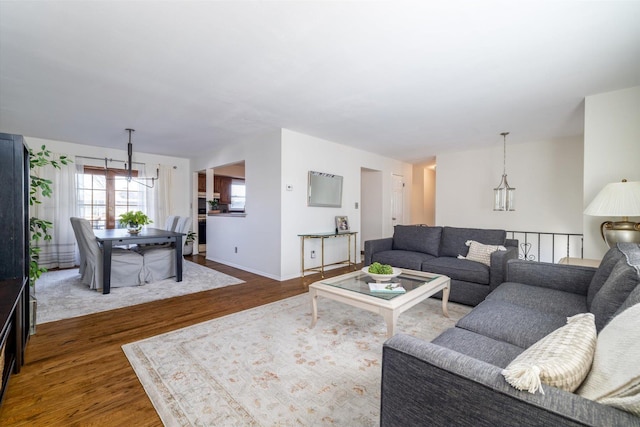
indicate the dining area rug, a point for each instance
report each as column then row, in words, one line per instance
column 61, row 294
column 265, row 366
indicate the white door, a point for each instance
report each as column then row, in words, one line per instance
column 397, row 200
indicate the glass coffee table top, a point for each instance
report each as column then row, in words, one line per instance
column 359, row 282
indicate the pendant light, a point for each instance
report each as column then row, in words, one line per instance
column 129, row 166
column 504, row 195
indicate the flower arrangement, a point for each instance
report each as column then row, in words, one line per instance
column 134, row 220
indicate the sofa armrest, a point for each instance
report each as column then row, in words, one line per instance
column 377, row 245
column 426, row 384
column 568, row 278
column 498, row 265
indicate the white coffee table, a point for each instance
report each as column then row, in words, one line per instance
column 353, row 289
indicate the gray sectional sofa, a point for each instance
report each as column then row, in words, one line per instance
column 436, row 250
column 457, row 378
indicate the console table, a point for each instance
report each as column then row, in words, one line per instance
column 322, row 237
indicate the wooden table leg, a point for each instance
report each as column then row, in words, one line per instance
column 179, row 259
column 106, row 266
column 391, row 317
column 445, row 300
column 314, row 307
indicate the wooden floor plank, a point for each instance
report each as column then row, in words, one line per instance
column 76, row 373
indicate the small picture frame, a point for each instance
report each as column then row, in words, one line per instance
column 342, row 224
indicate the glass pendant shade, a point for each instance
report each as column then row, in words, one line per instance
column 504, row 196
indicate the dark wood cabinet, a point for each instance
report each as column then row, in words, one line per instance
column 202, row 183
column 14, row 255
column 222, row 185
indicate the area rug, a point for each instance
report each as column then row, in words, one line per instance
column 61, row 295
column 267, row 367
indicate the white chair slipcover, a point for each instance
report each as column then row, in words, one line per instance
column 127, row 267
column 160, row 261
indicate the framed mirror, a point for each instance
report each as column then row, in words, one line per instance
column 324, row 190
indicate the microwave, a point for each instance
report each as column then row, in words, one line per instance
column 202, row 205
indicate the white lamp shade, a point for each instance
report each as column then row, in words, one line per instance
column 616, row 199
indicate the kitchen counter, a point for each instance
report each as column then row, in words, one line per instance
column 229, row 214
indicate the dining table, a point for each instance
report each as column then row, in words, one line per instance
column 108, row 238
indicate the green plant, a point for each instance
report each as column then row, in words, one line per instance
column 40, row 229
column 191, row 236
column 213, row 204
column 134, row 219
column 377, row 268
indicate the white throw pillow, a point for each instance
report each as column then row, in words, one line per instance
column 615, row 375
column 561, row 359
column 479, row 252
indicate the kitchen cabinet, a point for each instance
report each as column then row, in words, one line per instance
column 222, row 185
column 202, row 183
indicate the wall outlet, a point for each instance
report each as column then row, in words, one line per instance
column 313, row 254
column 236, row 249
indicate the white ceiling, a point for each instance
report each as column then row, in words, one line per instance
column 403, row 79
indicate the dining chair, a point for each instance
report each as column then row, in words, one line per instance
column 160, row 261
column 127, row 267
column 81, row 249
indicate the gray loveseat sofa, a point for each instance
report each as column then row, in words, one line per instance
column 456, row 379
column 436, row 250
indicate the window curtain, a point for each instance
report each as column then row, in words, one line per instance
column 61, row 250
column 160, row 197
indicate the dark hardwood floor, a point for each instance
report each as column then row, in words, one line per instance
column 76, row 373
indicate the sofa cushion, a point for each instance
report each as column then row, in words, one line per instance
column 497, row 353
column 402, row 259
column 458, row 269
column 614, row 378
column 479, row 252
column 515, row 324
column 609, row 261
column 454, row 239
column 561, row 359
column 618, row 286
column 419, row 238
column 542, row 299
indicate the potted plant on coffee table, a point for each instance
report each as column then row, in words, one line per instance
column 134, row 221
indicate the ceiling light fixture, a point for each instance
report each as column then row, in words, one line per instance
column 128, row 166
column 503, row 195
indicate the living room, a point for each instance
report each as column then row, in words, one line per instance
column 448, row 150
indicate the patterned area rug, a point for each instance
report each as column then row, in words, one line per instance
column 61, row 295
column 266, row 367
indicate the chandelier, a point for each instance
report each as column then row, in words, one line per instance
column 504, row 195
column 128, row 166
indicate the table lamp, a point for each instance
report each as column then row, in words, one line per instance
column 620, row 199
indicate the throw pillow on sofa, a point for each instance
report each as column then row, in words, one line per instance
column 616, row 289
column 417, row 238
column 480, row 252
column 614, row 378
column 561, row 359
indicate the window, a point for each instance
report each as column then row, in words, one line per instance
column 237, row 195
column 102, row 198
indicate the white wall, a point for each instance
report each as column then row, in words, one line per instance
column 257, row 236
column 302, row 153
column 371, row 226
column 423, row 209
column 181, row 178
column 611, row 153
column 547, row 176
